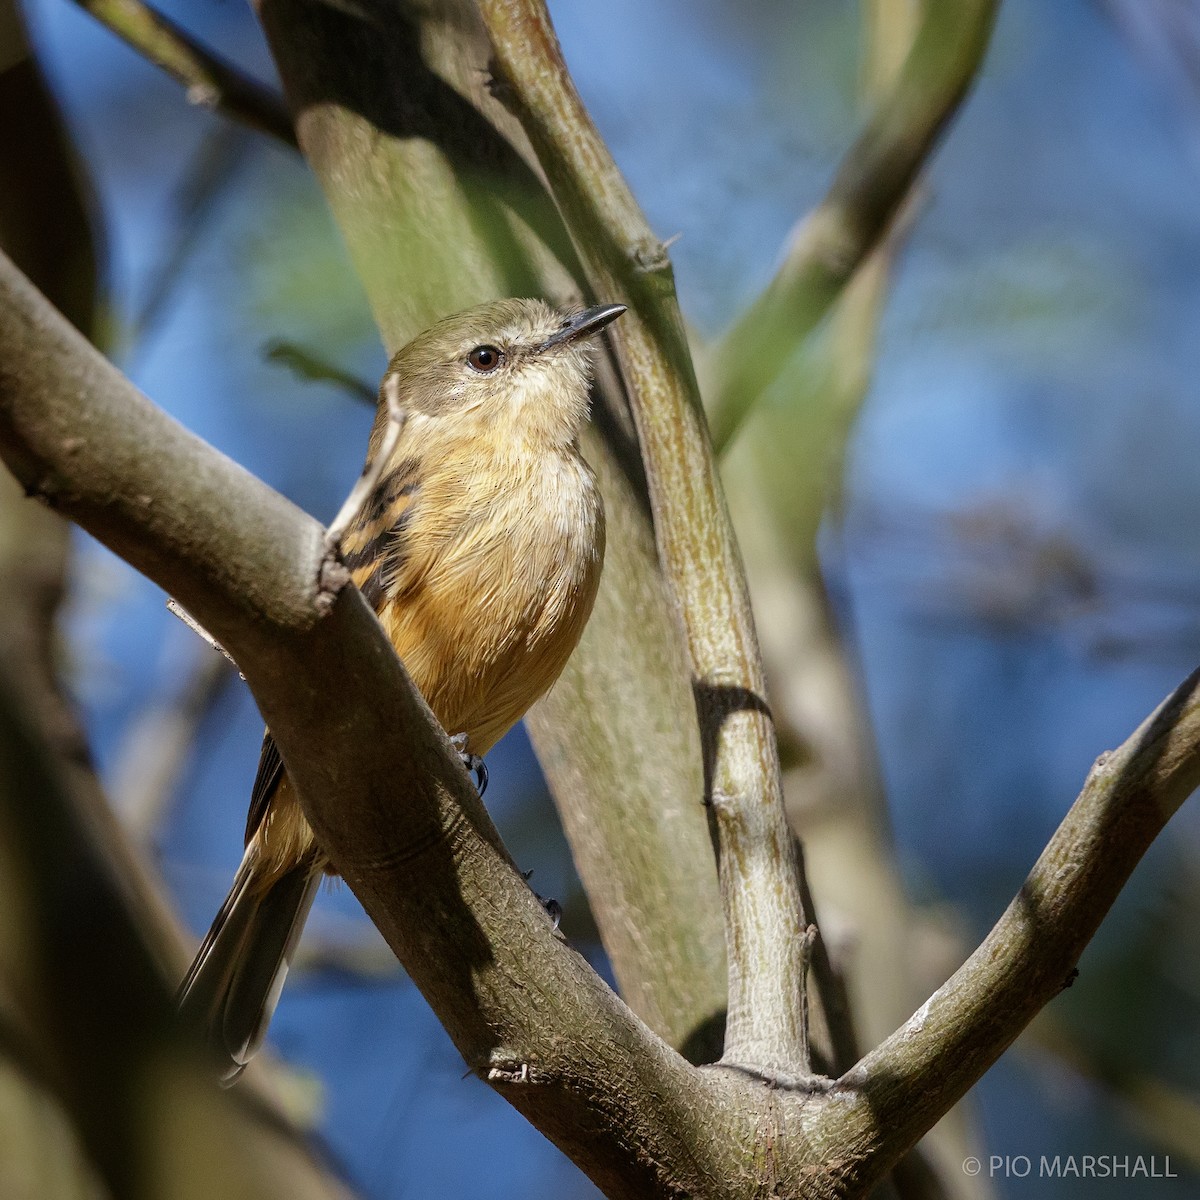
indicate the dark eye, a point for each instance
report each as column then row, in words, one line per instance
column 485, row 358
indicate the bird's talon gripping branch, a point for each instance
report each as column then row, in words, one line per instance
column 473, row 762
column 552, row 906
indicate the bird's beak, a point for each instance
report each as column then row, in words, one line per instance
column 587, row 323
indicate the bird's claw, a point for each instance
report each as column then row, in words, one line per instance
column 472, row 762
column 552, row 906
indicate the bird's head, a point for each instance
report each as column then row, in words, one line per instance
column 519, row 362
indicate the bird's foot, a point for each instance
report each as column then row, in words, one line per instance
column 472, row 762
column 552, row 907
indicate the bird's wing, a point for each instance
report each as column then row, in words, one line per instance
column 375, row 547
column 270, row 771
column 374, row 550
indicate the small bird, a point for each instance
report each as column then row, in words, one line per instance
column 480, row 550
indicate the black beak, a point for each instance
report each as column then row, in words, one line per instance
column 587, row 323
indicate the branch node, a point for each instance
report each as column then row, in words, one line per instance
column 650, row 257
column 332, row 577
column 721, row 801
column 808, row 940
column 44, row 490
column 496, row 85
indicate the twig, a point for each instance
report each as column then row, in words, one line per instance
column 194, row 201
column 375, row 466
column 830, row 986
column 177, row 609
column 209, row 80
column 308, row 366
column 868, row 190
column 764, row 917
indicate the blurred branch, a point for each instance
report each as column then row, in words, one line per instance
column 45, row 227
column 306, row 365
column 870, row 186
column 158, row 744
column 97, row 1012
column 765, row 921
column 210, row 80
column 83, row 918
column 44, row 220
column 442, row 205
column 1161, row 1112
column 1030, row 954
column 203, row 185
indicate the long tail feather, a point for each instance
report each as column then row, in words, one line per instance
column 234, row 982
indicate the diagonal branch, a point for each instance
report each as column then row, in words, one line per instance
column 1031, row 953
column 759, row 872
column 868, row 191
column 209, row 79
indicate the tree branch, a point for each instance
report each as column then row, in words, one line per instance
column 759, row 873
column 1031, row 953
column 869, row 189
column 209, row 79
column 526, row 1011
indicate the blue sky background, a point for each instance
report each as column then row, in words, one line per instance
column 1017, row 566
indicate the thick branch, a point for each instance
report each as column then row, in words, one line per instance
column 1030, row 955
column 869, row 189
column 209, row 80
column 764, row 919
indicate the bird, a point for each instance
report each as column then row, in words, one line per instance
column 480, row 550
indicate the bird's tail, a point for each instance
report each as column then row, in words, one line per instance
column 233, row 984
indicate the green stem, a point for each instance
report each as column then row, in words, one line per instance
column 868, row 191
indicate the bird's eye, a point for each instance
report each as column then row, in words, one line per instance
column 484, row 359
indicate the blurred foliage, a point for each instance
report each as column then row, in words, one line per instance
column 1053, row 297
column 315, row 295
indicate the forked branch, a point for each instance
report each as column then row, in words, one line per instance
column 525, row 1010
